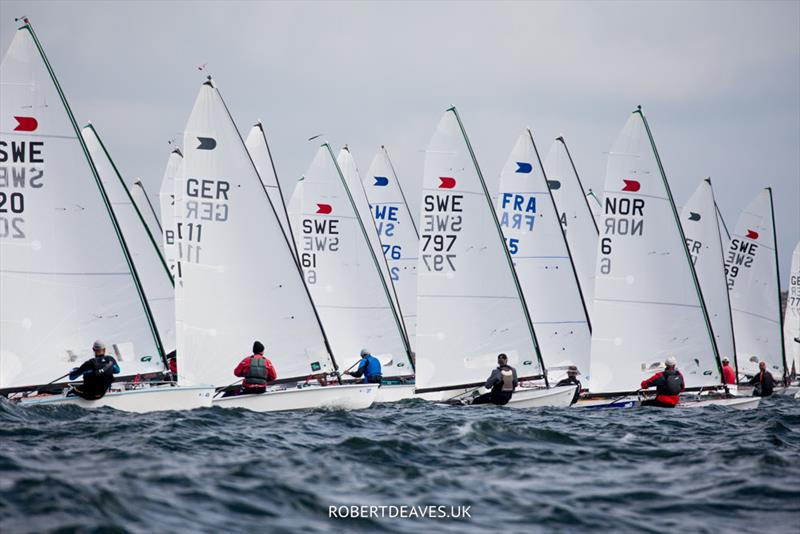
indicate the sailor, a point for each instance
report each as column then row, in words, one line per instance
column 502, row 383
column 257, row 372
column 369, row 367
column 669, row 384
column 728, row 374
column 763, row 383
column 98, row 374
column 572, row 380
column 172, row 366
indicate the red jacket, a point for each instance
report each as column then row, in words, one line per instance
column 660, row 382
column 244, row 367
column 728, row 374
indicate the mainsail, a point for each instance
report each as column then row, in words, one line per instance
column 258, row 148
column 752, row 269
column 470, row 305
column 147, row 260
column 791, row 321
column 166, row 200
column 575, row 214
column 141, row 199
column 236, row 280
column 703, row 239
column 397, row 232
column 65, row 272
column 342, row 271
column 537, row 244
column 647, row 302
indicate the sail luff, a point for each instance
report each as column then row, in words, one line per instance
column 778, row 285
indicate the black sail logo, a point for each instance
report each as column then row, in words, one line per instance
column 207, row 143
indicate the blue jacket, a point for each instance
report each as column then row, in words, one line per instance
column 370, row 367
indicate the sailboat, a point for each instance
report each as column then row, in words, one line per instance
column 791, row 320
column 648, row 304
column 237, row 280
column 147, row 260
column 342, row 272
column 575, row 214
column 704, row 241
column 258, row 148
column 751, row 266
column 141, row 199
column 68, row 275
column 542, row 260
column 397, row 233
column 166, row 201
column 470, row 306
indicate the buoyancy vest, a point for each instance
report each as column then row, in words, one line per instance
column 673, row 383
column 257, row 372
column 507, row 374
column 103, row 374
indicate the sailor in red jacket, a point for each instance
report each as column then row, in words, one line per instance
column 669, row 384
column 256, row 370
column 728, row 374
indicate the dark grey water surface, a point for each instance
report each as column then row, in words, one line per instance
column 213, row 470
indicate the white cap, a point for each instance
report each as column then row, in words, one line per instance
column 364, row 352
column 725, row 359
column 97, row 345
column 671, row 362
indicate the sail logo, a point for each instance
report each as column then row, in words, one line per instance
column 741, row 255
column 524, row 168
column 631, row 185
column 752, row 234
column 624, row 216
column 26, row 124
column 447, row 182
column 381, row 181
column 324, row 209
column 693, row 216
column 206, row 143
column 555, row 185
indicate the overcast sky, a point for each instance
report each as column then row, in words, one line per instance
column 719, row 82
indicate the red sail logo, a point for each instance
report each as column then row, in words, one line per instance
column 751, row 234
column 631, row 185
column 447, row 182
column 26, row 124
column 324, row 209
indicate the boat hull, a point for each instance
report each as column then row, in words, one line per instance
column 137, row 400
column 557, row 397
column 624, row 402
column 736, row 403
column 344, row 397
column 394, row 392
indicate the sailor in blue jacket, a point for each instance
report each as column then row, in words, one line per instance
column 369, row 368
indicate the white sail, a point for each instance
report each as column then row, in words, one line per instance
column 647, row 304
column 537, row 245
column 575, row 213
column 342, row 271
column 153, row 274
column 397, row 233
column 65, row 276
column 166, row 200
column 258, row 148
column 237, row 280
column 703, row 239
column 141, row 200
column 791, row 320
column 752, row 271
column 469, row 304
column 595, row 206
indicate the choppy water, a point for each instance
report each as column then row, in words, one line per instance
column 214, row 470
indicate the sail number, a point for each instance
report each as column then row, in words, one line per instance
column 441, row 228
column 12, row 226
column 623, row 217
column 741, row 254
column 319, row 235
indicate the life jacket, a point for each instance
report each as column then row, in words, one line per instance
column 257, row 372
column 673, row 383
column 507, row 374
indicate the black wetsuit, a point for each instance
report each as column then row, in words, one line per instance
column 98, row 374
column 763, row 384
column 502, row 383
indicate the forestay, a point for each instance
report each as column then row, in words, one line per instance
column 538, row 247
column 150, row 268
column 469, row 303
column 237, row 280
column 752, row 271
column 166, row 199
column 575, row 214
column 704, row 241
column 647, row 303
column 65, row 274
column 341, row 270
column 397, row 232
column 791, row 321
column 258, row 148
column 141, row 199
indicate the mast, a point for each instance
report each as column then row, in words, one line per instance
column 685, row 249
column 402, row 194
column 580, row 183
column 126, row 253
column 561, row 227
column 778, row 275
column 505, row 248
column 395, row 311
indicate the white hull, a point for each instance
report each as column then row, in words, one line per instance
column 137, row 400
column 442, row 396
column 737, row 403
column 394, row 393
column 557, row 397
column 345, row 397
